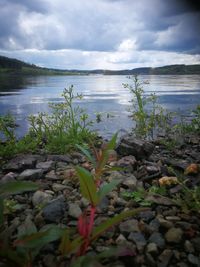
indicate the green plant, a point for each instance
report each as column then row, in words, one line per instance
column 94, row 192
column 138, row 196
column 7, row 127
column 148, row 115
column 65, row 127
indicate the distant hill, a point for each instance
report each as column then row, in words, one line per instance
column 11, row 65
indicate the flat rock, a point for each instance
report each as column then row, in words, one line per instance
column 160, row 200
column 46, row 165
column 31, row 174
column 52, row 175
column 129, row 145
column 22, row 162
column 63, row 158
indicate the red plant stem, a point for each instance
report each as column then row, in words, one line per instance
column 88, row 228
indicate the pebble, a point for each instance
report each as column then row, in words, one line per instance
column 195, row 261
column 31, row 174
column 152, row 248
column 158, row 239
column 54, row 211
column 41, row 198
column 74, row 210
column 129, row 226
column 174, row 235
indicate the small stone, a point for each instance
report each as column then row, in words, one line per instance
column 164, row 223
column 129, row 226
column 160, row 200
column 121, row 240
column 172, row 218
column 46, row 165
column 174, row 235
column 128, row 161
column 74, row 210
column 165, row 258
column 52, row 175
column 54, row 211
column 193, row 260
column 31, row 174
column 130, row 182
column 188, row 246
column 9, row 177
column 61, row 158
column 196, row 243
column 152, row 248
column 58, row 187
column 40, row 198
column 157, row 239
column 146, row 216
column 139, row 240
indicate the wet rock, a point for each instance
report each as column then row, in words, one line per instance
column 74, row 210
column 157, row 239
column 41, row 198
column 129, row 145
column 174, row 235
column 129, row 226
column 54, row 211
column 165, row 258
column 31, row 174
column 46, row 165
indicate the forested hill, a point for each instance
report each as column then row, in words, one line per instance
column 11, row 65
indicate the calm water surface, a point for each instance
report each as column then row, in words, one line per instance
column 23, row 96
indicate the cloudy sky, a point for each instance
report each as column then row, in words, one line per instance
column 106, row 34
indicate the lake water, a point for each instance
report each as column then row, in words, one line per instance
column 23, row 96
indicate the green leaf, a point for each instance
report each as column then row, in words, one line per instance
column 17, row 187
column 11, row 257
column 112, row 143
column 64, row 247
column 104, row 190
column 39, row 239
column 87, row 185
column 115, row 220
column 87, row 154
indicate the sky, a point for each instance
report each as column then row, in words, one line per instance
column 100, row 34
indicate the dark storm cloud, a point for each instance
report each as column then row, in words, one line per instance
column 100, row 25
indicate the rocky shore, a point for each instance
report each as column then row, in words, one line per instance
column 164, row 235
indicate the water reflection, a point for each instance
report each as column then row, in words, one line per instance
column 23, row 96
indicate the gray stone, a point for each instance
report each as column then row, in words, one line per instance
column 129, row 226
column 128, row 161
column 157, row 239
column 31, row 174
column 52, row 176
column 9, row 177
column 188, row 246
column 160, row 200
column 58, row 187
column 22, row 162
column 174, row 235
column 46, row 165
column 195, row 261
column 139, row 240
column 164, row 223
column 129, row 145
column 147, row 215
column 165, row 258
column 152, row 248
column 130, row 182
column 54, row 211
column 62, row 158
column 121, row 239
column 74, row 210
column 41, row 198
